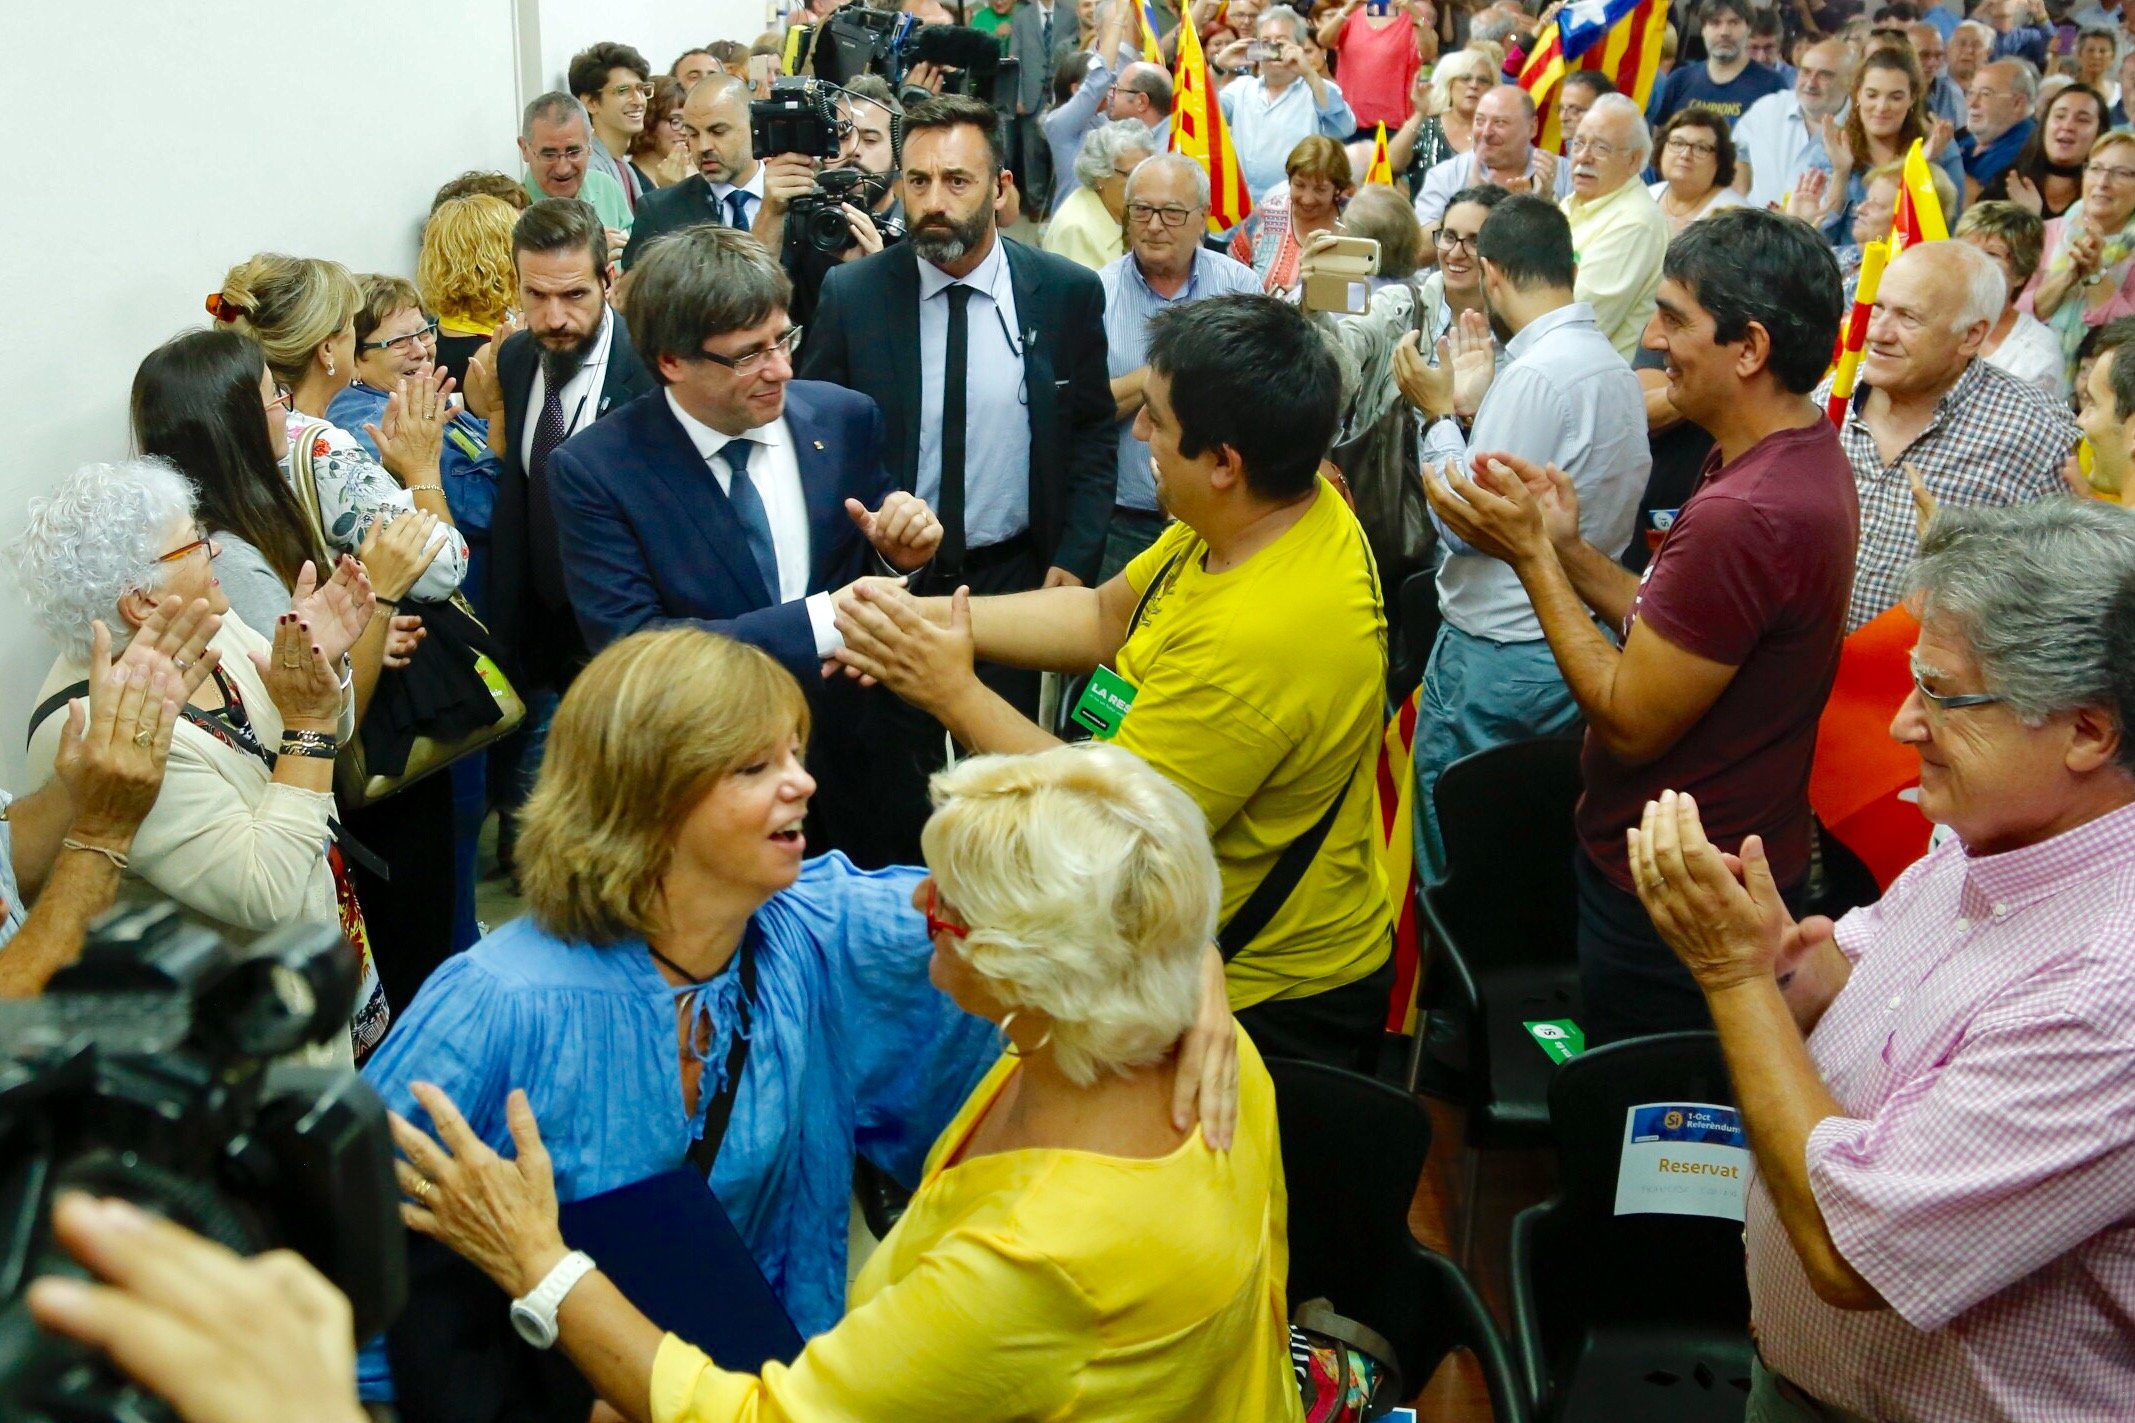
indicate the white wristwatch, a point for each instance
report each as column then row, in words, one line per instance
column 534, row 1313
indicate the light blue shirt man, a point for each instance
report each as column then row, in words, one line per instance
column 996, row 401
column 1265, row 125
column 1564, row 397
column 1129, row 303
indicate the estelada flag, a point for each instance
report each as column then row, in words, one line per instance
column 1381, row 169
column 1864, row 786
column 1918, row 216
column 1621, row 38
column 1148, row 27
column 1198, row 131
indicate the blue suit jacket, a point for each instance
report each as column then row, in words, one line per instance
column 649, row 538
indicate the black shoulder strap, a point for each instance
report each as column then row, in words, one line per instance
column 1141, row 604
column 52, row 704
column 1269, row 896
column 705, row 1149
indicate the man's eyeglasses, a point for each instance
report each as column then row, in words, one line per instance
column 1452, row 241
column 203, row 542
column 1594, row 148
column 552, row 155
column 1170, row 215
column 624, row 91
column 750, row 362
column 1953, row 701
column 935, row 923
column 403, row 345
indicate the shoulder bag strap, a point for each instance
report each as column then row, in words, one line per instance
column 52, row 704
column 1141, row 604
column 1269, row 896
column 705, row 1149
column 305, row 480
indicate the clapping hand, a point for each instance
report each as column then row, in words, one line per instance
column 2026, row 195
column 300, row 681
column 398, row 551
column 1493, row 513
column 1722, row 914
column 1551, row 489
column 339, row 609
column 1939, row 139
column 111, row 760
column 890, row 639
column 410, row 436
column 483, row 388
column 1807, row 200
column 1427, row 387
column 904, row 530
column 1469, row 353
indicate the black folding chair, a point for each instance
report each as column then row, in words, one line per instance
column 1353, row 1149
column 1629, row 1316
column 1504, row 932
column 1414, row 620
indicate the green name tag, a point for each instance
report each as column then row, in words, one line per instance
column 1561, row 1038
column 1104, row 704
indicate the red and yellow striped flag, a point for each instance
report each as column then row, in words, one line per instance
column 1381, row 169
column 1198, row 131
column 1623, row 42
column 1918, row 217
column 1397, row 855
column 1146, row 22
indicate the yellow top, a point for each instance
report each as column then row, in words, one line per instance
column 1259, row 692
column 1083, row 231
column 1619, row 241
column 1046, row 1284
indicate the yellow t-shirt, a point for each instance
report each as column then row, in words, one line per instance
column 1049, row 1284
column 1259, row 691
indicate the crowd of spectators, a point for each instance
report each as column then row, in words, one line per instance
column 756, row 537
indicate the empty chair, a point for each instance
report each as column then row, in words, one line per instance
column 1504, row 929
column 1629, row 1316
column 1353, row 1149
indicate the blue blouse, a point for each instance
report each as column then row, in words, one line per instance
column 1838, row 228
column 850, row 1048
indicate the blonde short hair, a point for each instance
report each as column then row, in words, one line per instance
column 1460, row 64
column 1091, row 893
column 465, row 271
column 290, row 305
column 645, row 732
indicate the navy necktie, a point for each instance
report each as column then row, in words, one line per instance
column 737, row 209
column 748, row 506
column 544, row 547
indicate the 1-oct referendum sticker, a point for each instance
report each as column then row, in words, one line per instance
column 1683, row 1158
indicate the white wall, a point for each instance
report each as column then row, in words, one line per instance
column 320, row 129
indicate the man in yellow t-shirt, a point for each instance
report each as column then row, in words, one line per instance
column 1243, row 655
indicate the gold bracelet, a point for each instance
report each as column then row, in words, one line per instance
column 411, row 488
column 117, row 859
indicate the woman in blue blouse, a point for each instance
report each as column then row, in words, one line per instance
column 663, row 843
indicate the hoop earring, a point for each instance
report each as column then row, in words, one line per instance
column 1008, row 1044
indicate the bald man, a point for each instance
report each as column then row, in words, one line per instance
column 1945, row 100
column 1926, row 402
column 1504, row 155
column 1998, row 121
column 1782, row 132
column 728, row 186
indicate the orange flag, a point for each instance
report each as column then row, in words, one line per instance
column 1862, row 784
column 1198, row 131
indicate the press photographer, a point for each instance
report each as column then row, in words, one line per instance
column 820, row 201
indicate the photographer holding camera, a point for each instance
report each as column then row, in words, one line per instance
column 821, row 195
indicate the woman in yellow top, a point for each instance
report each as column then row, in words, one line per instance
column 1070, row 1253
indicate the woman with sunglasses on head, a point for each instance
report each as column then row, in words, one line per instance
column 1073, row 1249
column 672, row 914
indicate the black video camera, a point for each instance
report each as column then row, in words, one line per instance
column 800, row 116
column 818, row 217
column 147, row 1072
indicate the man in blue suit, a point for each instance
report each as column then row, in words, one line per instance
column 733, row 496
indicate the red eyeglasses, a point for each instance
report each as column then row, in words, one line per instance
column 935, row 923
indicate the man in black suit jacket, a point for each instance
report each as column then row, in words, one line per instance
column 732, row 496
column 575, row 346
column 1024, row 483
column 728, row 183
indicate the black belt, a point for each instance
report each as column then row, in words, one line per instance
column 1008, row 550
column 1131, row 511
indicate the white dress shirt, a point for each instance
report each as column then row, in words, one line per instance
column 775, row 470
column 580, row 395
column 1774, row 139
column 753, row 189
column 996, row 405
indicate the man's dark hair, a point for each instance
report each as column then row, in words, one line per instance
column 196, row 404
column 562, row 225
column 674, row 71
column 958, row 111
column 591, row 66
column 476, row 183
column 1710, row 11
column 1747, row 265
column 1252, row 373
column 1900, row 12
column 1487, row 195
column 2119, row 337
column 1593, row 81
column 1765, row 23
column 699, row 283
column 1529, row 242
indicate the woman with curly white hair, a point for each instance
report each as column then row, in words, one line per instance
column 1070, row 1250
column 241, row 833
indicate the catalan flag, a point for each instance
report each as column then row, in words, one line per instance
column 1198, row 131
column 1853, row 336
column 1918, row 217
column 1381, row 169
column 1621, row 38
column 1397, row 855
column 1146, row 12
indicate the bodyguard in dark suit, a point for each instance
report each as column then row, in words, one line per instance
column 572, row 366
column 988, row 360
column 727, row 188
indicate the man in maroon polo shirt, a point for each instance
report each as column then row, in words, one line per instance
column 1730, row 640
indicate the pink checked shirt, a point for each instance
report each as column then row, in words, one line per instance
column 1983, row 1176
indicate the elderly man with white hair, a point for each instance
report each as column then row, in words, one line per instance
column 1087, row 229
column 1270, row 112
column 1936, row 1088
column 1618, row 230
column 1928, row 407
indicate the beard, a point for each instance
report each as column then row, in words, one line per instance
column 945, row 239
column 558, row 366
column 1498, row 328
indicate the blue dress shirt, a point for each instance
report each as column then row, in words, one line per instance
column 996, row 402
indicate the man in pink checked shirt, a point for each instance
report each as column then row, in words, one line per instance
column 1939, row 1090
